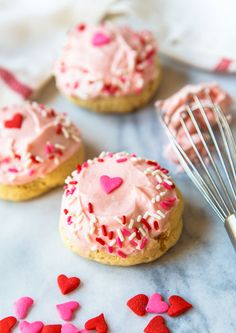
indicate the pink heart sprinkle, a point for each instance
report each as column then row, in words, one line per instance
column 66, row 310
column 26, row 327
column 156, row 304
column 110, row 184
column 100, row 39
column 22, row 306
column 69, row 328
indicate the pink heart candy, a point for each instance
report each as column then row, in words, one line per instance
column 100, row 39
column 22, row 306
column 110, row 184
column 156, row 304
column 26, row 327
column 66, row 310
column 70, row 328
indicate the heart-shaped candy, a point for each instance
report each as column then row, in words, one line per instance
column 178, row 305
column 22, row 306
column 26, row 327
column 67, row 284
column 97, row 323
column 100, row 39
column 156, row 304
column 66, row 310
column 14, row 122
column 69, row 328
column 110, row 184
column 6, row 324
column 156, row 325
column 138, row 304
column 51, row 329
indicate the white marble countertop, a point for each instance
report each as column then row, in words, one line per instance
column 201, row 267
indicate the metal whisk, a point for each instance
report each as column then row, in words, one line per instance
column 211, row 168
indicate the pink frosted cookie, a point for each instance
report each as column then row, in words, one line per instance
column 175, row 104
column 108, row 68
column 38, row 149
column 120, row 209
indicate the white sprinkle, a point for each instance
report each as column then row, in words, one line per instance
column 103, row 154
column 58, row 146
column 89, row 161
column 56, row 160
column 158, row 198
column 120, row 235
column 75, row 138
column 158, row 187
column 94, row 248
column 139, row 218
column 165, row 176
column 155, row 216
column 91, row 231
column 131, row 224
column 118, row 220
column 168, row 182
column 39, row 159
column 153, row 200
column 112, row 242
column 132, row 236
column 133, row 159
column 65, row 133
column 142, row 231
column 158, row 178
column 155, row 172
column 146, row 214
column 160, row 213
column 163, row 193
column 68, row 179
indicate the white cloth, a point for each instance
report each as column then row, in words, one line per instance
column 31, row 33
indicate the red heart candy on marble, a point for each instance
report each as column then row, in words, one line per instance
column 110, row 184
column 6, row 324
column 138, row 304
column 67, row 284
column 97, row 323
column 14, row 122
column 178, row 305
column 156, row 325
column 51, row 329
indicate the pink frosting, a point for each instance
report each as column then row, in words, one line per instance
column 34, row 140
column 105, row 60
column 117, row 203
column 175, row 104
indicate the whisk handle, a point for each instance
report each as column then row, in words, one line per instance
column 230, row 226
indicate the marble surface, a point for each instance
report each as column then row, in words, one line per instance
column 201, row 267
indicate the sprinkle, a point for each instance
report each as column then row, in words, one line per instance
column 110, row 235
column 110, row 249
column 167, row 186
column 103, row 154
column 121, row 254
column 13, row 170
column 138, row 235
column 75, row 138
column 169, row 182
column 158, row 198
column 158, row 178
column 100, row 160
column 118, row 241
column 94, row 248
column 121, row 160
column 120, row 235
column 147, row 225
column 142, row 231
column 112, row 242
column 132, row 236
column 118, row 219
column 155, row 216
column 156, row 225
column 73, row 182
column 131, row 224
column 153, row 200
column 123, row 219
column 85, row 165
column 158, row 187
column 90, row 207
column 160, row 213
column 69, row 220
column 162, row 194
column 65, row 132
column 78, row 168
column 152, row 163
column 146, row 214
column 133, row 243
column 126, row 232
column 66, row 211
column 164, row 170
column 165, row 205
column 100, row 241
column 91, row 231
column 143, row 243
column 139, row 218
column 104, row 230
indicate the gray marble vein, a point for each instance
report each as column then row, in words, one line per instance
column 201, row 267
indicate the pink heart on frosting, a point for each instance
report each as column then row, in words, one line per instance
column 66, row 310
column 100, row 39
column 22, row 306
column 34, row 327
column 156, row 304
column 110, row 184
column 70, row 328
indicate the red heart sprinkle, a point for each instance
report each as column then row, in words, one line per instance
column 178, row 305
column 138, row 304
column 14, row 122
column 97, row 323
column 66, row 284
column 51, row 329
column 7, row 324
column 157, row 325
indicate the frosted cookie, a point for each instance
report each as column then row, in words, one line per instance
column 108, row 68
column 175, row 104
column 120, row 209
column 39, row 148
